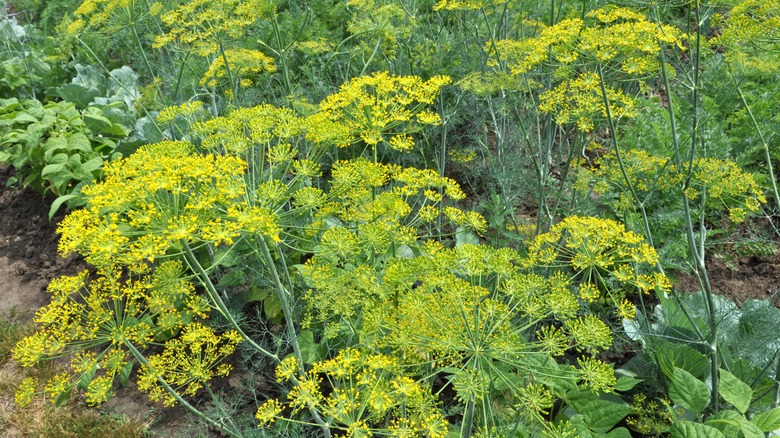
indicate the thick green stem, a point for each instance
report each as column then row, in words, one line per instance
column 285, row 298
column 468, row 419
column 697, row 253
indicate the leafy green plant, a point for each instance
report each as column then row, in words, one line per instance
column 674, row 340
column 22, row 68
column 54, row 147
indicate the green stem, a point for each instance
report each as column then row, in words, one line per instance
column 285, row 297
column 696, row 254
column 233, row 80
column 611, row 121
column 180, row 75
column 442, row 156
column 282, row 55
column 195, row 265
column 143, row 52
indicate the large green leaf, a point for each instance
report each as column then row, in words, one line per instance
column 78, row 94
column 310, row 350
column 54, row 144
column 671, row 356
column 92, row 165
column 735, row 391
column 80, row 142
column 603, row 415
column 625, row 383
column 689, row 429
column 768, row 421
column 688, row 391
column 726, row 421
column 58, row 203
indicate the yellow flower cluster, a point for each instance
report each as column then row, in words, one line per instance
column 725, row 186
column 611, row 34
column 598, row 253
column 186, row 110
column 242, row 64
column 445, row 319
column 206, row 24
column 370, row 212
column 467, row 5
column 647, row 173
column 92, row 322
column 581, row 100
column 617, row 37
column 188, row 362
column 370, row 108
column 159, row 196
column 751, row 33
column 366, row 394
column 379, row 23
column 596, row 374
column 388, row 199
column 262, row 125
column 108, row 15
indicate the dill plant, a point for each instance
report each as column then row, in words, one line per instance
column 383, row 294
column 354, row 250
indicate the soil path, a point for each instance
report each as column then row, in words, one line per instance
column 28, row 250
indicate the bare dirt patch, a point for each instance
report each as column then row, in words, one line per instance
column 28, row 249
column 742, row 278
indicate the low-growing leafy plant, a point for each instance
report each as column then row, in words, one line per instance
column 673, row 357
column 56, row 148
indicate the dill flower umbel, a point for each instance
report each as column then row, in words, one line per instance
column 162, row 194
column 243, row 65
column 205, row 24
column 371, row 107
column 366, row 392
column 751, row 33
column 188, row 362
column 602, row 257
column 620, row 38
column 104, row 314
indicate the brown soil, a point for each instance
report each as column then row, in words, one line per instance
column 740, row 278
column 28, row 250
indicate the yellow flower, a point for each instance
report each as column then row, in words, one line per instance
column 26, row 391
column 369, row 107
column 242, row 64
column 268, row 412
